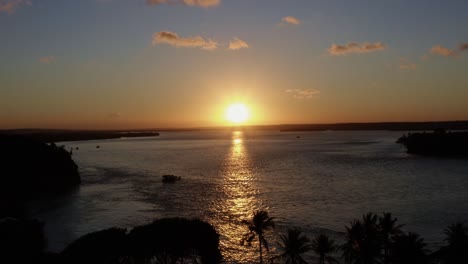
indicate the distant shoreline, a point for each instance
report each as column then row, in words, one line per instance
column 377, row 126
column 56, row 135
column 387, row 126
column 49, row 136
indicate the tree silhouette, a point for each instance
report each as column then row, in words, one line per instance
column 21, row 240
column 257, row 226
column 362, row 241
column 456, row 250
column 171, row 240
column 408, row 249
column 105, row 246
column 31, row 169
column 323, row 246
column 388, row 229
column 293, row 245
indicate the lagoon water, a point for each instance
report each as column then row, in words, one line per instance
column 318, row 181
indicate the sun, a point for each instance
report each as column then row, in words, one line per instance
column 237, row 113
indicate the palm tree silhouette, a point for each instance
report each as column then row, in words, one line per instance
column 388, row 229
column 293, row 245
column 456, row 234
column 457, row 249
column 323, row 246
column 408, row 249
column 257, row 226
column 362, row 241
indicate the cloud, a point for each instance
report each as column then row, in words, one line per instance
column 47, row 60
column 439, row 50
column 463, row 46
column 410, row 66
column 425, row 57
column 291, row 20
column 113, row 115
column 407, row 65
column 303, row 93
column 237, row 44
column 446, row 52
column 171, row 38
column 202, row 3
column 354, row 47
column 10, row 6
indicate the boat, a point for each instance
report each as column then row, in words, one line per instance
column 170, row 178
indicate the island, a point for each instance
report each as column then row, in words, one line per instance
column 438, row 143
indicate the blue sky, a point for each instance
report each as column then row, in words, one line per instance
column 101, row 64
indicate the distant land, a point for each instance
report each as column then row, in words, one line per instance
column 437, row 143
column 388, row 126
column 57, row 135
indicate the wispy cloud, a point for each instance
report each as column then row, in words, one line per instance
column 171, row 38
column 354, row 47
column 202, row 3
column 237, row 44
column 446, row 52
column 442, row 51
column 303, row 93
column 47, row 60
column 10, row 6
column 291, row 20
column 425, row 57
column 113, row 115
column 463, row 46
column 405, row 64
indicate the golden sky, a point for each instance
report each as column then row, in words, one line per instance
column 118, row 64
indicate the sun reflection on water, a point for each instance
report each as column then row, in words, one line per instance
column 240, row 199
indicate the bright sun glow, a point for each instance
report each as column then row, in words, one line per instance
column 237, row 113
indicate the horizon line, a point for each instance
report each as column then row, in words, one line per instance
column 193, row 128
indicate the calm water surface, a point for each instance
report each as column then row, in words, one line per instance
column 317, row 181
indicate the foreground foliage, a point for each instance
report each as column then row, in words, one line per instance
column 168, row 241
column 258, row 225
column 293, row 245
column 324, row 247
column 371, row 239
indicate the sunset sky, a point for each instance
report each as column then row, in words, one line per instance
column 106, row 64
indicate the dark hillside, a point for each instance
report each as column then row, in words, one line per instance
column 29, row 168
